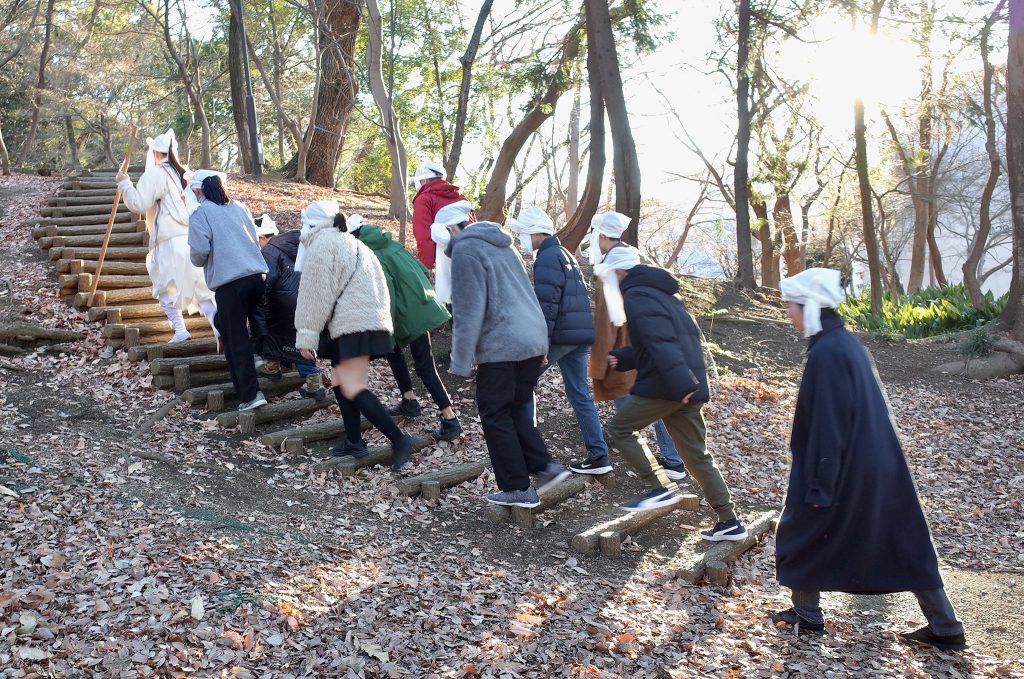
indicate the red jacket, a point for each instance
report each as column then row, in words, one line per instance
column 431, row 197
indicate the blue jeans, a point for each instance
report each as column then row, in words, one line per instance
column 665, row 444
column 306, row 368
column 573, row 361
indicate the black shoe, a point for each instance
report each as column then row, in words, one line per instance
column 401, row 452
column 346, row 447
column 675, row 472
column 925, row 637
column 407, row 408
column 592, row 465
column 791, row 618
column 448, row 430
column 652, row 498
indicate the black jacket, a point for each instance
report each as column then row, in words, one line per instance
column 281, row 291
column 666, row 350
column 562, row 294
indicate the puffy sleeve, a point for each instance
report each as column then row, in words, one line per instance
column 828, row 393
column 152, row 187
column 323, row 274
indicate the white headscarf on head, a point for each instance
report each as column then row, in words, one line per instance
column 610, row 224
column 530, row 221
column 449, row 215
column 267, row 226
column 162, row 143
column 621, row 258
column 317, row 214
column 428, row 170
column 196, row 180
column 814, row 289
column 355, row 222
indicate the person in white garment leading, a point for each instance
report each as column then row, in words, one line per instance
column 161, row 197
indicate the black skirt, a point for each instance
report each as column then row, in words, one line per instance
column 368, row 343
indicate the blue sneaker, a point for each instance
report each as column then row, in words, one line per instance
column 731, row 530
column 652, row 499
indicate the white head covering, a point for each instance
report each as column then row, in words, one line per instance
column 620, row 258
column 355, row 222
column 267, row 226
column 196, row 181
column 610, row 224
column 162, row 143
column 814, row 289
column 530, row 221
column 428, row 170
column 317, row 214
column 449, row 215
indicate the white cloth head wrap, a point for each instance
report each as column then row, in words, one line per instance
column 530, row 221
column 196, row 181
column 162, row 143
column 267, row 226
column 428, row 170
column 354, row 223
column 814, row 289
column 610, row 224
column 449, row 215
column 317, row 214
column 620, row 258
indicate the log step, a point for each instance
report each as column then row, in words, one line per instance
column 66, row 200
column 192, row 324
column 427, row 484
column 173, row 382
column 92, row 229
column 273, row 412
column 76, row 210
column 526, row 517
column 109, row 267
column 193, row 347
column 198, row 395
column 166, row 366
column 94, row 240
column 113, row 254
column 702, row 560
column 110, row 281
column 114, row 297
column 88, row 220
column 348, row 465
column 630, row 523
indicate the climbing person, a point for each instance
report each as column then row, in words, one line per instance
column 562, row 293
column 852, row 521
column 222, row 239
column 499, row 327
column 162, row 196
column 275, row 344
column 609, row 384
column 415, row 311
column 343, row 289
column 671, row 385
column 433, row 192
column 450, row 215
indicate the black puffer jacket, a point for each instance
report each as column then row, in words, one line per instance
column 280, row 294
column 562, row 294
column 666, row 350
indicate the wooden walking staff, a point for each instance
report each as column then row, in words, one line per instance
column 113, row 214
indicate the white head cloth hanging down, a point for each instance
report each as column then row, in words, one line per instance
column 609, row 224
column 162, row 143
column 317, row 214
column 814, row 289
column 530, row 221
column 449, row 215
column 428, row 170
column 621, row 258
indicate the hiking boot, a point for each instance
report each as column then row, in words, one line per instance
column 793, row 619
column 515, row 498
column 448, row 430
column 357, row 450
column 592, row 465
column 653, row 498
column 943, row 642
column 408, row 408
column 401, row 452
column 730, row 530
column 675, row 472
column 257, row 402
column 270, row 369
column 314, row 387
column 552, row 475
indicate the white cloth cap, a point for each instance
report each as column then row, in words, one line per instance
column 624, row 258
column 621, row 257
column 532, row 220
column 429, row 170
column 267, row 226
column 453, row 214
column 317, row 214
column 610, row 224
column 196, row 181
column 354, row 222
column 814, row 289
column 162, row 143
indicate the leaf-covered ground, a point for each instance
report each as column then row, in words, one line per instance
column 238, row 561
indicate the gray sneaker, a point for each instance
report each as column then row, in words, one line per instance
column 257, row 402
column 515, row 498
column 552, row 475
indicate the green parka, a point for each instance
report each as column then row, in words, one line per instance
column 414, row 307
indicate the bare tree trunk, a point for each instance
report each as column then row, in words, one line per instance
column 572, row 191
column 37, row 99
column 1013, row 315
column 769, row 255
column 69, row 130
column 5, row 158
column 792, row 252
column 451, row 163
column 237, row 82
column 744, row 246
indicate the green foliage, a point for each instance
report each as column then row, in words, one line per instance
column 978, row 343
column 931, row 312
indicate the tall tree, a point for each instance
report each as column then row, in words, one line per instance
column 741, row 179
column 451, row 162
column 236, row 76
column 37, row 98
column 1013, row 315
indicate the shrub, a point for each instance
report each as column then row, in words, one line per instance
column 978, row 343
column 930, row 312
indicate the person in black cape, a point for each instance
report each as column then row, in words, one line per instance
column 852, row 521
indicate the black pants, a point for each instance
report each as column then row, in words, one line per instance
column 237, row 306
column 504, row 392
column 423, row 361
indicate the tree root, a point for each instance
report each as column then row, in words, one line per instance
column 146, row 426
column 1007, row 358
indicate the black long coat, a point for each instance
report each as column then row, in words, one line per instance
column 852, row 521
column 277, row 334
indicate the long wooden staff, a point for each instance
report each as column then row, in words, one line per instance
column 113, row 215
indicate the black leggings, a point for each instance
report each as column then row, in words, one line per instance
column 423, row 362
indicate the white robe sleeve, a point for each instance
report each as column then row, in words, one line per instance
column 142, row 198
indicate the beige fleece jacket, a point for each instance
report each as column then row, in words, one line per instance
column 342, row 288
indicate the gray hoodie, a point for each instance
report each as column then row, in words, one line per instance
column 496, row 314
column 222, row 239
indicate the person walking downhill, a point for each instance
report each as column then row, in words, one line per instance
column 163, row 197
column 852, row 521
column 343, row 289
column 222, row 239
column 276, row 341
column 562, row 293
column 415, row 311
column 498, row 325
column 433, row 192
column 611, row 385
column 671, row 385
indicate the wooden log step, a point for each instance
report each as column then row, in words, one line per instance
column 76, row 210
column 90, row 193
column 443, row 478
column 29, row 332
column 630, row 523
column 88, row 220
column 65, row 200
column 113, row 297
column 525, row 517
column 273, row 412
column 198, row 395
column 113, row 281
column 91, row 229
column 703, row 558
column 348, row 465
column 193, row 347
column 89, row 241
column 113, row 254
column 166, row 366
column 139, row 313
column 109, row 267
column 318, row 431
column 158, row 338
column 197, row 379
column 194, row 324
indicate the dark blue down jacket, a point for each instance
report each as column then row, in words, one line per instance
column 562, row 294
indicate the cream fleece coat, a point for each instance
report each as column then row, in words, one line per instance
column 343, row 288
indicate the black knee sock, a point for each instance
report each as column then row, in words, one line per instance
column 350, row 416
column 370, row 406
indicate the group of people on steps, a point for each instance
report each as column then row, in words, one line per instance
column 342, row 290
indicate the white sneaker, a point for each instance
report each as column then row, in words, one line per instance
column 180, row 336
